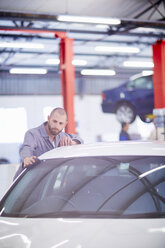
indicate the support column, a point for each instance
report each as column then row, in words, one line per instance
column 159, row 84
column 68, row 80
column 159, row 74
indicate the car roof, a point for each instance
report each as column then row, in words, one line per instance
column 122, row 148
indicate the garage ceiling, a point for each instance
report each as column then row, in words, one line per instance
column 142, row 24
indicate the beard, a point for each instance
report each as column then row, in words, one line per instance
column 53, row 131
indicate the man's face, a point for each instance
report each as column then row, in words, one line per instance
column 126, row 126
column 56, row 123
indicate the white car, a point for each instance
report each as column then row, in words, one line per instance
column 88, row 196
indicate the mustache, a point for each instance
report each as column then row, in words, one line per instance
column 54, row 130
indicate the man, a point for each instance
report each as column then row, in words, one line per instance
column 159, row 130
column 47, row 136
column 123, row 134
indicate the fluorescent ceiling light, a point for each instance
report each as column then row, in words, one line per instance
column 21, row 45
column 52, row 61
column 117, row 49
column 140, row 64
column 75, row 62
column 79, row 62
column 28, row 71
column 102, row 26
column 86, row 19
column 99, row 72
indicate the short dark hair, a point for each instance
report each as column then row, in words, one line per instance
column 60, row 111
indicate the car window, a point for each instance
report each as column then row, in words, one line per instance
column 141, row 83
column 93, row 186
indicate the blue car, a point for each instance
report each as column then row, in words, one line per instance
column 130, row 99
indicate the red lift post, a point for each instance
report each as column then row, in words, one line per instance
column 68, row 80
column 159, row 82
column 159, row 74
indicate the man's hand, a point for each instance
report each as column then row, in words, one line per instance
column 67, row 141
column 28, row 161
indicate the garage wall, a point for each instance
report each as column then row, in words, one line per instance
column 50, row 84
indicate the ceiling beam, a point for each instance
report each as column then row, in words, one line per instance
column 5, row 15
column 109, row 32
column 144, row 11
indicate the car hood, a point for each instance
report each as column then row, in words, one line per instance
column 81, row 233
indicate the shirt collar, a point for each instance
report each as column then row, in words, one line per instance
column 43, row 130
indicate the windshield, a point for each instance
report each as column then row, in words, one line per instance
column 110, row 187
column 141, row 83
